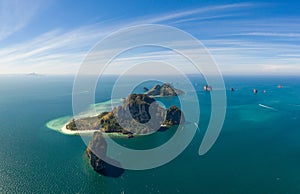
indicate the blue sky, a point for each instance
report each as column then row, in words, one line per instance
column 244, row 37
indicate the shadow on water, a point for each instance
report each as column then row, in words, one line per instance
column 162, row 129
column 111, row 169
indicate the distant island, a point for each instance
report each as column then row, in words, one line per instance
column 165, row 89
column 34, row 74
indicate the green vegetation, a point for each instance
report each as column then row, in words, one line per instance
column 139, row 114
column 165, row 89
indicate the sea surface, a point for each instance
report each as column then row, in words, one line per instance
column 258, row 150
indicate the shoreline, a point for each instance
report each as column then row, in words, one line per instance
column 59, row 125
column 65, row 131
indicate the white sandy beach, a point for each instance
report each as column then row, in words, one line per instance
column 60, row 124
column 66, row 131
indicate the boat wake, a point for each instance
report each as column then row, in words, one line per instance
column 267, row 107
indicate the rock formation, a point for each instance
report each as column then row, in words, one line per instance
column 207, row 88
column 174, row 116
column 96, row 153
column 96, row 149
column 165, row 89
column 139, row 114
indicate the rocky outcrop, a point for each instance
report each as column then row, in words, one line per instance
column 139, row 107
column 139, row 114
column 165, row 89
column 174, row 116
column 96, row 153
column 96, row 149
column 207, row 88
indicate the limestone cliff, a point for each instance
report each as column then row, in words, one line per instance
column 165, row 89
column 174, row 116
column 102, row 164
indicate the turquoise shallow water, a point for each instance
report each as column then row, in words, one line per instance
column 258, row 150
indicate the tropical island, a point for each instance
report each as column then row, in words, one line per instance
column 140, row 106
column 139, row 114
column 146, row 116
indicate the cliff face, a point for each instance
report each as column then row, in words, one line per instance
column 97, row 147
column 96, row 153
column 174, row 116
column 139, row 107
column 164, row 90
column 139, row 114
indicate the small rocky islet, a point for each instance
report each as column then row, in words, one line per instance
column 98, row 159
column 164, row 90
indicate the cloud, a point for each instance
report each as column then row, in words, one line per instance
column 270, row 34
column 281, row 68
column 53, row 50
column 276, row 67
column 202, row 18
column 61, row 52
column 208, row 9
column 15, row 15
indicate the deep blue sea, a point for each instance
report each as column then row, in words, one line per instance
column 258, row 150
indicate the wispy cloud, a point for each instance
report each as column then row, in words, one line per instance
column 270, row 34
column 208, row 9
column 59, row 51
column 202, row 18
column 56, row 50
column 15, row 15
